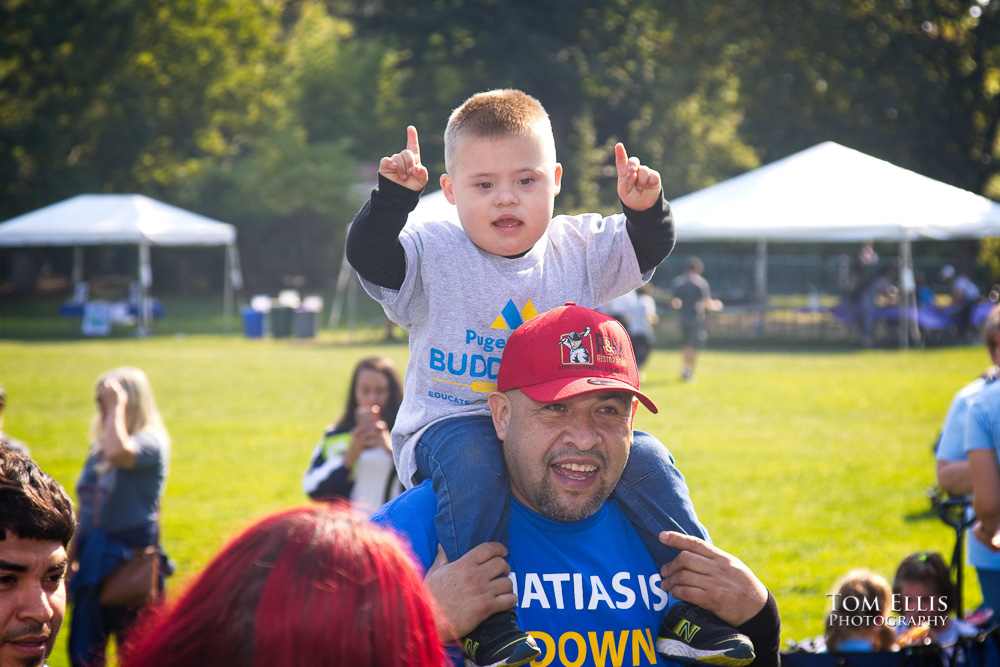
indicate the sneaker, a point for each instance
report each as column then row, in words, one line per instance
column 694, row 636
column 499, row 641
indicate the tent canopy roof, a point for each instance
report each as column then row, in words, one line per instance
column 114, row 219
column 432, row 207
column 835, row 194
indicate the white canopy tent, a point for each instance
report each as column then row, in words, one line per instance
column 430, row 207
column 830, row 193
column 87, row 220
column 433, row 206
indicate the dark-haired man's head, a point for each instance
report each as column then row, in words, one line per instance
column 36, row 525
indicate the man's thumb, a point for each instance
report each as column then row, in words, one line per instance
column 441, row 558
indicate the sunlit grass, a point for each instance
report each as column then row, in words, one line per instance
column 802, row 464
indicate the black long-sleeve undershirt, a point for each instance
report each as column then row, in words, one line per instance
column 374, row 250
column 764, row 630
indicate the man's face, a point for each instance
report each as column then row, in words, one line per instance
column 504, row 190
column 32, row 599
column 564, row 458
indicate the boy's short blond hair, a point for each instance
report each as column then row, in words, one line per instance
column 497, row 114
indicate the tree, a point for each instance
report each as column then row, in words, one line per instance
column 113, row 96
column 606, row 71
column 291, row 201
column 336, row 79
column 910, row 81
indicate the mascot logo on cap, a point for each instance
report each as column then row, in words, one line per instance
column 576, row 347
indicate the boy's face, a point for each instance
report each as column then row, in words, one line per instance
column 504, row 190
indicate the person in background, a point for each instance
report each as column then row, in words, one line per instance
column 925, row 294
column 863, row 269
column 353, row 459
column 692, row 297
column 315, row 586
column 36, row 526
column 7, row 439
column 857, row 622
column 620, row 307
column 953, row 472
column 636, row 310
column 640, row 324
column 921, row 584
column 982, row 445
column 964, row 295
column 119, row 491
column 881, row 292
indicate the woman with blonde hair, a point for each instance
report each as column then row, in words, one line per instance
column 857, row 623
column 118, row 492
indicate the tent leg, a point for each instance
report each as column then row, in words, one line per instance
column 340, row 290
column 145, row 282
column 909, row 325
column 227, row 292
column 234, row 282
column 760, row 285
column 77, row 266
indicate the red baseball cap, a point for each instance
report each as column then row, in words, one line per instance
column 569, row 351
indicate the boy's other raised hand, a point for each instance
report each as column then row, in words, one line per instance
column 404, row 167
column 638, row 185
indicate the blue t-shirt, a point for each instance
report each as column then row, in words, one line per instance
column 127, row 498
column 982, row 425
column 982, row 431
column 588, row 591
column 951, row 447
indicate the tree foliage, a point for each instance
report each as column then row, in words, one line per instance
column 912, row 81
column 606, row 72
column 115, row 96
column 265, row 113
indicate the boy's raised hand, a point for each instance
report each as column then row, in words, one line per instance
column 404, row 167
column 638, row 185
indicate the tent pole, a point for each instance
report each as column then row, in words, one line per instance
column 352, row 306
column 227, row 291
column 235, row 277
column 77, row 266
column 145, row 282
column 760, row 284
column 340, row 289
column 909, row 326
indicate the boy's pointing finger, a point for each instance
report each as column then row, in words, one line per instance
column 621, row 159
column 412, row 143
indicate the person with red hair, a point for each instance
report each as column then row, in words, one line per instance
column 306, row 587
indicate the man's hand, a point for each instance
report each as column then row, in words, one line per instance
column 638, row 185
column 404, row 168
column 710, row 578
column 471, row 589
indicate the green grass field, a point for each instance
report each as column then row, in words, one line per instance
column 804, row 464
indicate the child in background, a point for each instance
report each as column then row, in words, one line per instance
column 925, row 597
column 461, row 290
column 857, row 623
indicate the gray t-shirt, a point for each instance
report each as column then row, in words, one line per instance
column 693, row 291
column 461, row 303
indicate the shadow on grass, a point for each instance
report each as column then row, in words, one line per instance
column 928, row 514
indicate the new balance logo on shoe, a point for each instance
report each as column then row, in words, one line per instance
column 694, row 636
